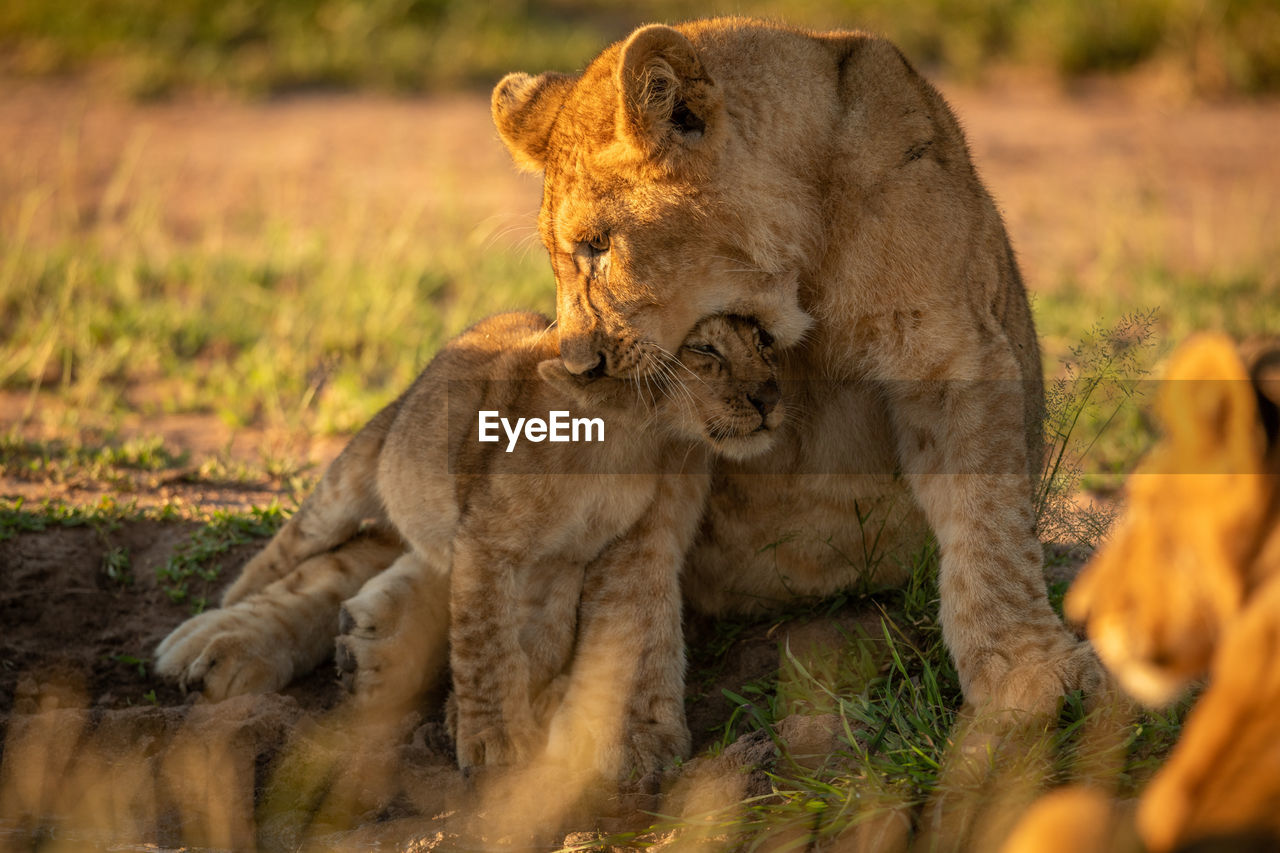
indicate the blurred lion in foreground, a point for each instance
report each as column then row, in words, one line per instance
column 1187, row 586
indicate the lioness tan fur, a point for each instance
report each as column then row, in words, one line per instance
column 552, row 567
column 1188, row 585
column 814, row 181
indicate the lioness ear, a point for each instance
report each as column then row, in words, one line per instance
column 524, row 108
column 666, row 99
column 1264, row 372
column 1210, row 410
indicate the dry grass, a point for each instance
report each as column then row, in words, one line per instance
column 288, row 266
column 291, row 265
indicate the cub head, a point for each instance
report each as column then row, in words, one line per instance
column 721, row 388
column 1180, row 564
column 726, row 386
column 637, row 210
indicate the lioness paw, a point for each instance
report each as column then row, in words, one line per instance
column 1033, row 682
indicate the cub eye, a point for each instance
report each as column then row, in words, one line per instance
column 766, row 339
column 705, row 349
column 599, row 243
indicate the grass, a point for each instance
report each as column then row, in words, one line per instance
column 118, row 464
column 313, row 328
column 17, row 517
column 138, row 465
column 1183, row 301
column 219, row 534
column 1089, row 428
column 317, row 337
column 151, row 48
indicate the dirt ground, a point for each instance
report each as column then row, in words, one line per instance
column 78, row 703
column 75, row 641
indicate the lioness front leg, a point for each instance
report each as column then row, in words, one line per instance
column 963, row 440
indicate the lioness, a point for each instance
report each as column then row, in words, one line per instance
column 552, row 564
column 735, row 166
column 1188, row 585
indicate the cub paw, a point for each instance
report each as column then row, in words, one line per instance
column 496, row 745
column 225, row 653
column 649, row 748
column 391, row 645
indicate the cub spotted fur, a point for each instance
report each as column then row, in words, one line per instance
column 738, row 166
column 529, row 556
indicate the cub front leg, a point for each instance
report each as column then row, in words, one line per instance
column 493, row 709
column 622, row 715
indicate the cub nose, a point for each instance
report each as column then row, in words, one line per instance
column 766, row 397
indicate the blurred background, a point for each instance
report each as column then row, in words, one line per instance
column 225, row 221
column 153, row 47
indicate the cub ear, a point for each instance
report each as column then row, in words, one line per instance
column 554, row 373
column 524, row 108
column 590, row 394
column 666, row 100
column 1209, row 408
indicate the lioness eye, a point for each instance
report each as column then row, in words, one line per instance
column 599, row 243
column 705, row 349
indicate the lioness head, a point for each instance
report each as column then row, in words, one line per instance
column 720, row 388
column 633, row 213
column 1200, row 519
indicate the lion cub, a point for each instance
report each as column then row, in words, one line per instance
column 546, row 517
